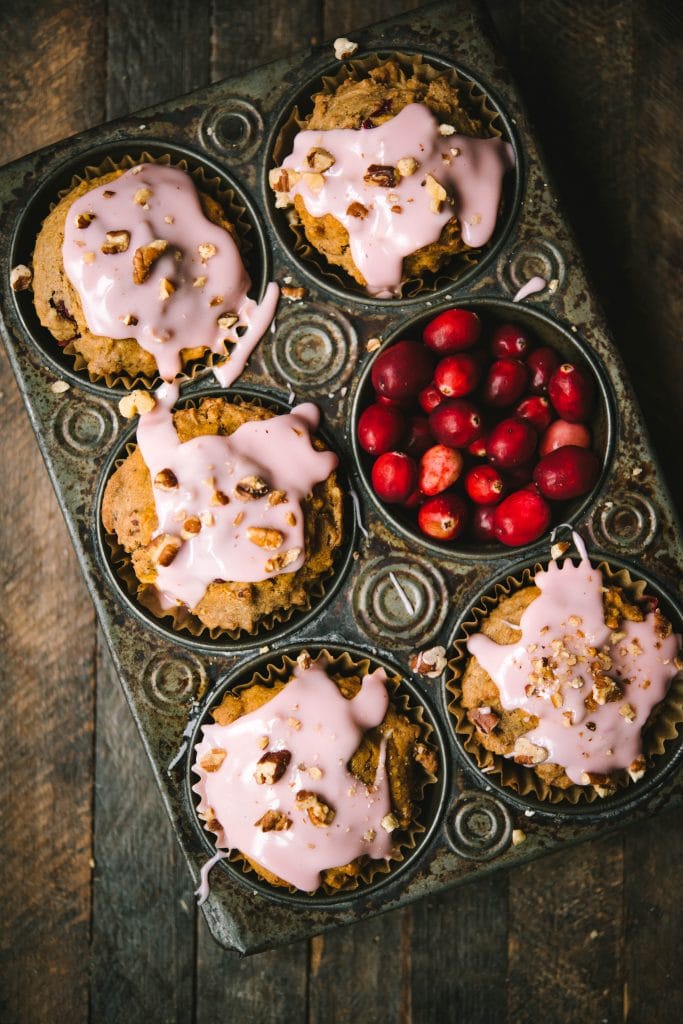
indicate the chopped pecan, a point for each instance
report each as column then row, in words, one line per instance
column 437, row 193
column 115, row 241
column 389, row 822
column 319, row 813
column 637, row 768
column 166, row 480
column 271, row 767
column 604, row 785
column 84, row 220
column 20, row 277
column 406, row 166
column 605, row 690
column 313, row 180
column 264, row 537
column 526, row 752
column 206, row 250
column 628, row 712
column 213, row 759
column 429, row 663
column 274, row 821
column 426, row 758
column 278, row 562
column 663, row 627
column 190, row 528
column 251, row 487
column 304, row 660
column 382, row 175
column 293, row 294
column 164, row 548
column 137, row 403
column 130, row 320
column 145, row 257
column 344, row 48
column 319, row 160
column 357, row 210
column 277, row 497
column 484, row 719
column 446, row 129
column 142, row 196
column 166, row 289
column 227, row 320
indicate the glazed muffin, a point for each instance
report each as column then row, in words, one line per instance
column 391, row 176
column 227, row 514
column 313, row 776
column 566, row 675
column 137, row 274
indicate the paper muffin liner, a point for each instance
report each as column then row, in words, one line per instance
column 344, row 666
column 661, row 727
column 235, row 213
column 477, row 106
column 181, row 619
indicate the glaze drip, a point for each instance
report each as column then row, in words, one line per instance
column 231, row 505
column 561, row 667
column 388, row 214
column 320, row 730
column 195, row 279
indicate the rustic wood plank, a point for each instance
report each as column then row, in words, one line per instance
column 252, row 34
column 143, row 905
column 340, row 19
column 459, row 954
column 565, row 926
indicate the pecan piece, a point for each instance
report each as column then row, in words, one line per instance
column 389, row 822
column 605, row 690
column 319, row 159
column 115, row 241
column 274, row 821
column 429, row 663
column 145, row 257
column 164, row 548
column 637, row 768
column 357, row 210
column 313, row 180
column 344, row 48
column 166, row 480
column 426, row 758
column 382, row 175
column 251, row 487
column 227, row 320
column 206, row 250
column 483, row 719
column 142, row 196
column 20, row 277
column 166, row 289
column 264, row 537
column 437, row 193
column 137, row 403
column 604, row 785
column 293, row 294
column 84, row 220
column 526, row 752
column 281, row 561
column 213, row 759
column 271, row 767
column 319, row 813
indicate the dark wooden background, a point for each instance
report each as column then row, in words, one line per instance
column 98, row 918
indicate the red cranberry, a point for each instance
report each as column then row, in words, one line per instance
column 567, row 473
column 394, row 477
column 521, row 518
column 452, row 331
column 482, row 523
column 402, row 370
column 542, row 363
column 561, row 433
column 380, row 428
column 519, row 476
column 511, row 340
column 457, row 375
column 478, row 447
column 484, row 484
column 418, row 437
column 505, row 382
column 572, row 391
column 535, row 410
column 404, row 404
column 443, row 517
column 440, row 467
column 456, row 423
column 429, row 398
column 510, row 443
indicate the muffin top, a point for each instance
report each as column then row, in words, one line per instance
column 586, row 668
column 148, row 264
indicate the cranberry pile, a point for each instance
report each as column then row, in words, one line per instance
column 480, row 433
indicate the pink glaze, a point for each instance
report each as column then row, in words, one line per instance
column 278, row 450
column 471, row 171
column 202, row 891
column 570, row 603
column 321, row 730
column 186, row 319
column 533, row 285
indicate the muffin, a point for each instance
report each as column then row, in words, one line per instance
column 391, row 177
column 566, row 678
column 138, row 274
column 313, row 776
column 227, row 514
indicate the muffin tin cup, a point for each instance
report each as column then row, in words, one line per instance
column 393, row 593
column 277, row 666
column 520, row 786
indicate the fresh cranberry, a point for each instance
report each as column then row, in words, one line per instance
column 452, row 331
column 418, row 437
column 511, row 340
column 572, row 392
column 484, row 484
column 440, row 467
column 457, row 375
column 380, row 428
column 429, row 398
column 482, row 523
column 443, row 517
column 519, row 476
column 561, row 433
column 478, row 447
column 542, row 363
column 404, row 404
column 535, row 410
column 510, row 443
column 456, row 423
column 394, row 477
column 566, row 473
column 521, row 518
column 402, row 370
column 505, row 382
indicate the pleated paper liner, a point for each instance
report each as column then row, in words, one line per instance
column 660, row 729
column 475, row 103
column 309, row 592
column 345, row 667
column 235, row 213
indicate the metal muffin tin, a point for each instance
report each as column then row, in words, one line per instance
column 318, row 351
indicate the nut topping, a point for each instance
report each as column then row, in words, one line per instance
column 483, row 719
column 212, row 760
column 251, row 487
column 406, row 166
column 164, row 548
column 142, row 196
column 294, row 294
column 206, row 251
column 274, row 821
column 199, row 282
column 429, row 663
column 313, row 180
column 271, row 767
column 319, row 813
column 130, row 320
column 219, row 498
column 166, row 289
column 637, row 768
column 446, row 129
column 137, row 403
column 426, row 758
column 357, row 210
column 382, row 175
column 603, row 785
column 628, row 712
column 145, row 257
column 437, row 192
column 344, row 48
column 115, row 241
column 304, row 660
column 190, row 528
column 526, row 752
column 319, row 159
column 264, row 537
column 20, row 278
column 84, row 220
column 227, row 320
column 277, row 497
column 389, row 822
column 605, row 690
column 278, row 562
column 166, row 480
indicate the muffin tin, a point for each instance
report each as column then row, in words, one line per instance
column 393, row 592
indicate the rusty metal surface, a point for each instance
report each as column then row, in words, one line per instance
column 318, row 352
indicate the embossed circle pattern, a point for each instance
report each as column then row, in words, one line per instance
column 233, row 127
column 630, row 523
column 536, row 258
column 173, row 679
column 314, row 347
column 480, row 827
column 85, row 429
column 400, row 599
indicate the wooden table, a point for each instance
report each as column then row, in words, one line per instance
column 97, row 909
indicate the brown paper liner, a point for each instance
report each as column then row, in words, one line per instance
column 181, row 619
column 477, row 106
column 342, row 666
column 235, row 213
column 661, row 727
